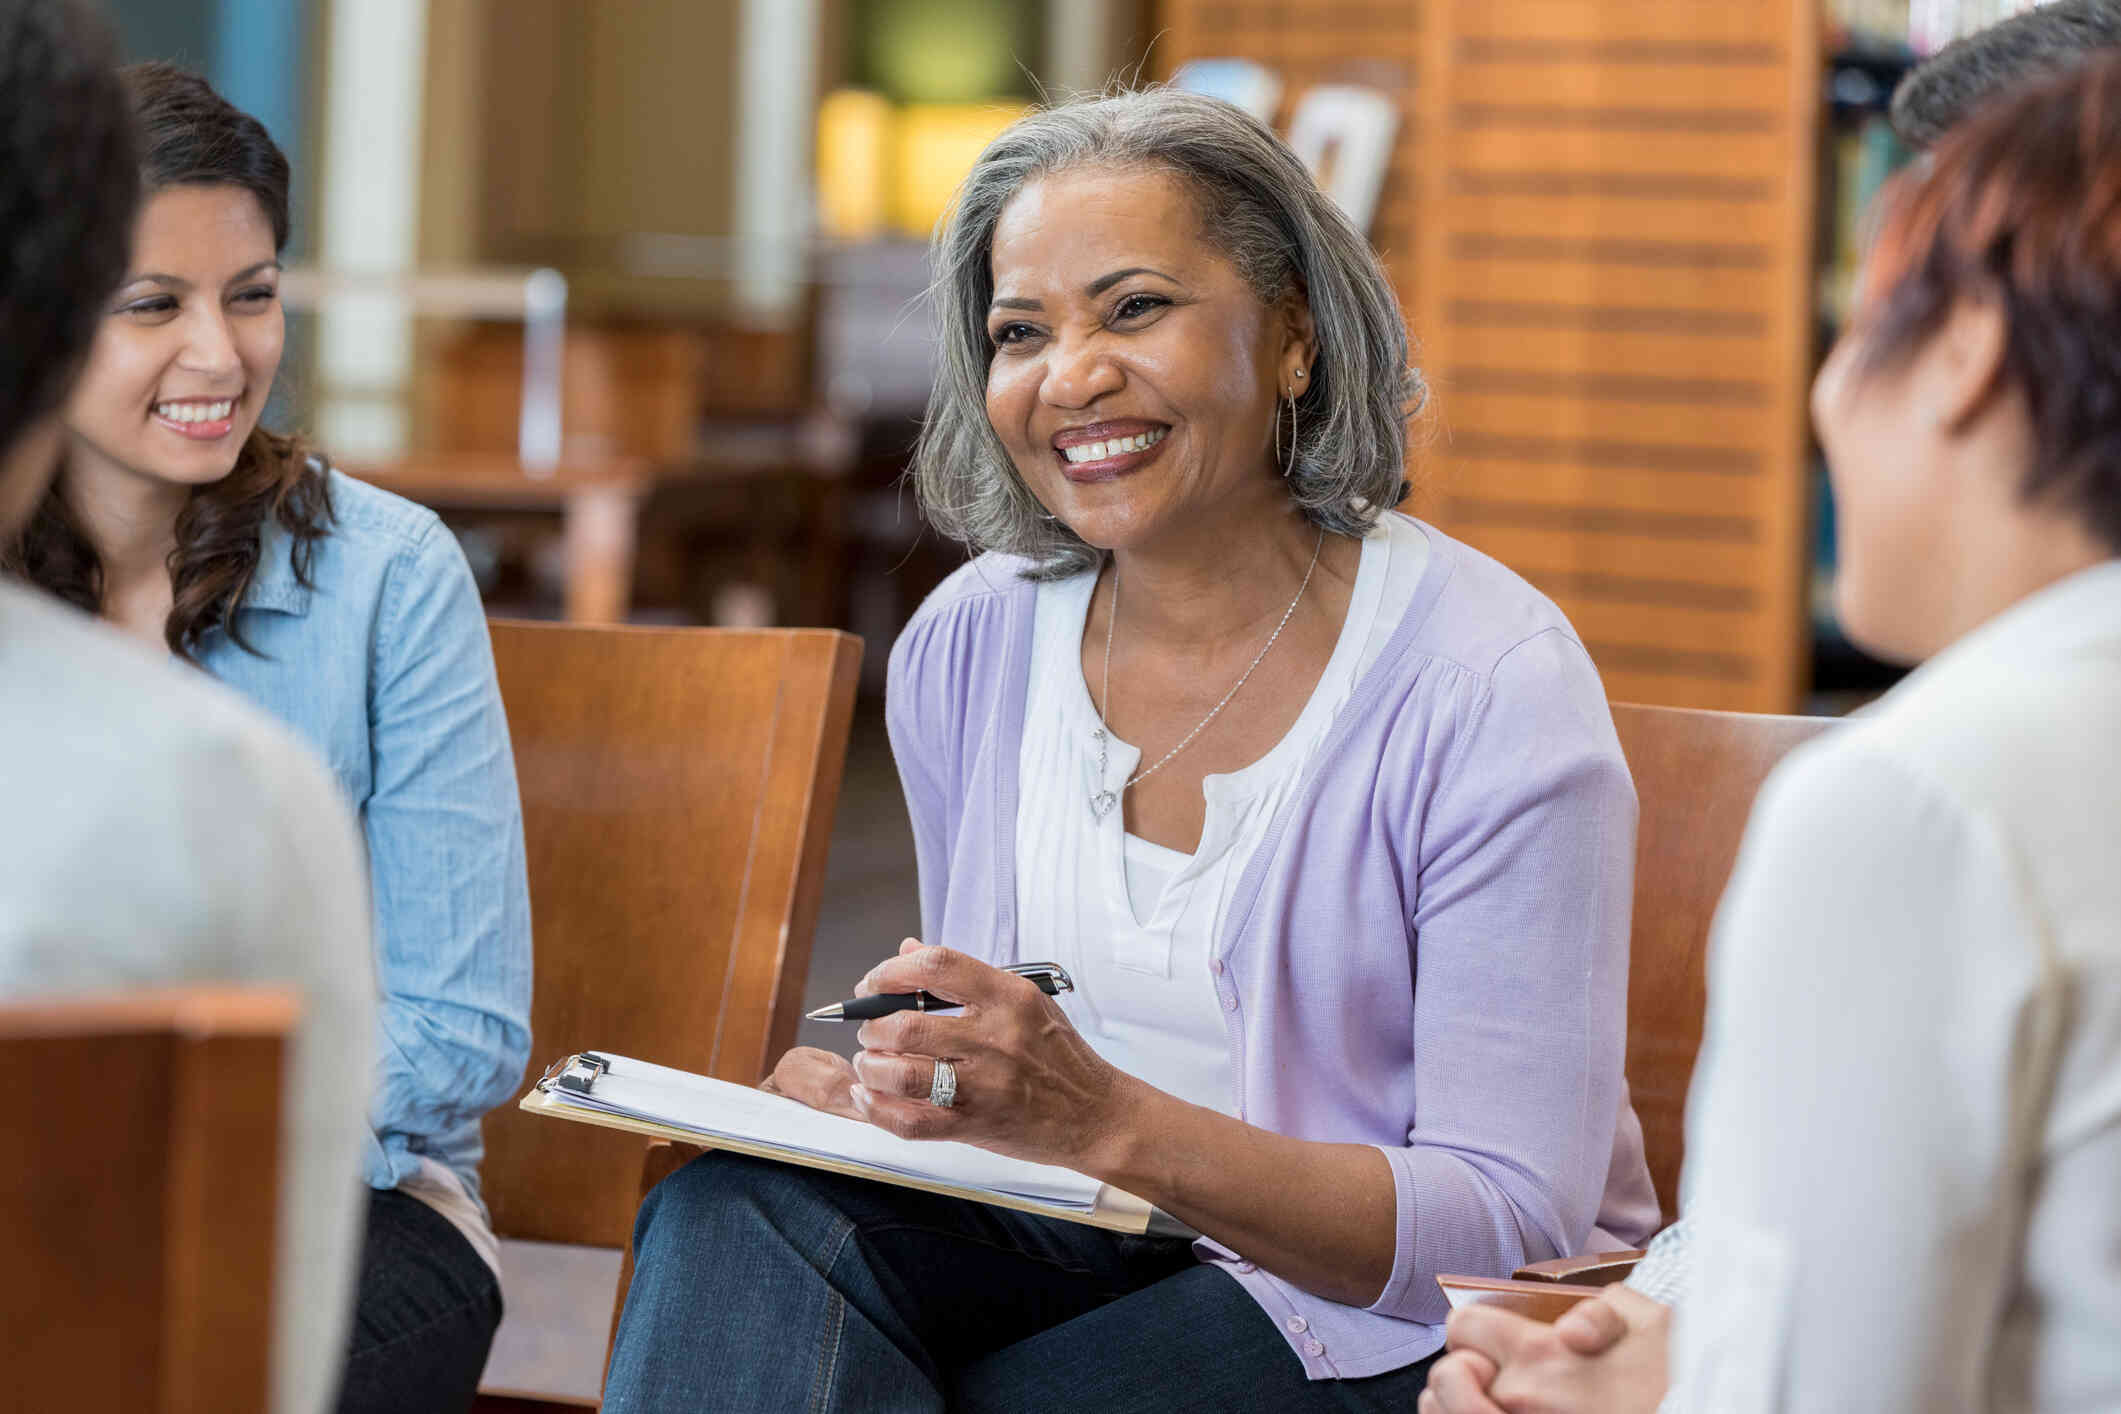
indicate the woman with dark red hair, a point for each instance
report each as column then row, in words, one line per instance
column 1904, row 1144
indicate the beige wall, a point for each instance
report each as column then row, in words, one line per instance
column 556, row 127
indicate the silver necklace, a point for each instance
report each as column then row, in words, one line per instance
column 1104, row 798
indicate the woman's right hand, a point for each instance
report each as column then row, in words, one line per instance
column 819, row 1079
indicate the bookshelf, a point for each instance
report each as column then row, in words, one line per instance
column 1858, row 152
column 1872, row 46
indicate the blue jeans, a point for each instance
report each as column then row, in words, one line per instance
column 765, row 1287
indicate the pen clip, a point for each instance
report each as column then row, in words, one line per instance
column 1050, row 971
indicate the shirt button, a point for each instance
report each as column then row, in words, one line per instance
column 1248, row 1266
column 1297, row 1324
column 1229, row 1001
column 1314, row 1348
column 1216, row 967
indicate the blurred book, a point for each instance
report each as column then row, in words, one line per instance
column 1883, row 19
column 1926, row 25
column 1343, row 133
column 1866, row 154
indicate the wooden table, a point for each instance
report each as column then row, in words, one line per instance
column 598, row 502
column 599, row 499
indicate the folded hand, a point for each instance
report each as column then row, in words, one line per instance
column 1607, row 1356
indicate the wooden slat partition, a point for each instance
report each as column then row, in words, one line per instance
column 1614, row 293
column 1307, row 42
column 1598, row 219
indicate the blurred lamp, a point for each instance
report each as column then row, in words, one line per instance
column 937, row 145
column 854, row 131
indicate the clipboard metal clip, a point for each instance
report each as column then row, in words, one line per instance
column 576, row 1073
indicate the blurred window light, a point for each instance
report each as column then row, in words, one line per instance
column 777, row 86
column 1252, row 87
column 945, row 51
column 374, row 84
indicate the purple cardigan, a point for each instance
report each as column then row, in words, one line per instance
column 1428, row 953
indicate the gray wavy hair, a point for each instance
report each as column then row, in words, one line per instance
column 1347, row 463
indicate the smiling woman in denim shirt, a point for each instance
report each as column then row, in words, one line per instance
column 350, row 615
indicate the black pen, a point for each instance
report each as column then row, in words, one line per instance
column 1048, row 977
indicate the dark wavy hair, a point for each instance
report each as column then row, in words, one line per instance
column 189, row 135
column 68, row 185
column 2020, row 208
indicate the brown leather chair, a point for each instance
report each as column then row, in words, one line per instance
column 1696, row 774
column 139, row 1180
column 678, row 791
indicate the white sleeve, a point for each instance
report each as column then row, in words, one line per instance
column 303, row 918
column 1872, row 962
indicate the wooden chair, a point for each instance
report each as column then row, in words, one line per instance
column 1696, row 774
column 678, row 792
column 139, row 1257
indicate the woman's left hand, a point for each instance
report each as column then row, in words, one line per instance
column 1028, row 1085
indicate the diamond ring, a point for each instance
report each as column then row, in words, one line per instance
column 942, row 1089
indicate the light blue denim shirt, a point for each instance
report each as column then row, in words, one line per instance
column 382, row 663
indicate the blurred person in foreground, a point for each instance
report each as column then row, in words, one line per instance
column 349, row 614
column 1323, row 811
column 1903, row 1183
column 154, row 828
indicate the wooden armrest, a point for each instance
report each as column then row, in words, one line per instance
column 1535, row 1300
column 1589, row 1269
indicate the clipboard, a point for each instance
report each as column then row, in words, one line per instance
column 568, row 1089
column 1542, row 1301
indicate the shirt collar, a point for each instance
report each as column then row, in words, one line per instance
column 2071, row 618
column 273, row 587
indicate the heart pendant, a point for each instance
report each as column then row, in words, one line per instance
column 1101, row 804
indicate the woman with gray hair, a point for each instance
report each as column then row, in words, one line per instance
column 1322, row 811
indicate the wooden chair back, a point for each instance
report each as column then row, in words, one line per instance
column 139, row 1182
column 678, row 792
column 1696, row 774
